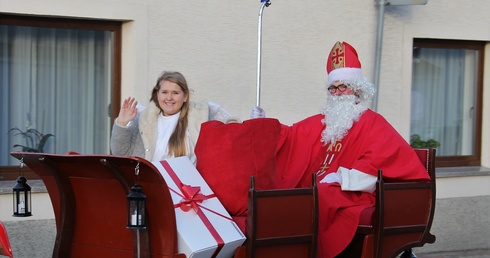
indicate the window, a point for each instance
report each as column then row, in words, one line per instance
column 447, row 98
column 60, row 77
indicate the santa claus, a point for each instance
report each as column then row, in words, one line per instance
column 345, row 145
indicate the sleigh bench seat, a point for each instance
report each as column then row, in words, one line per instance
column 401, row 219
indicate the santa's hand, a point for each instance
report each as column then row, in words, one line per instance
column 332, row 178
column 257, row 112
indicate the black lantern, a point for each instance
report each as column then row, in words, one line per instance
column 22, row 198
column 136, row 208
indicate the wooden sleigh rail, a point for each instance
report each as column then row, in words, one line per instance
column 281, row 223
column 88, row 193
column 402, row 217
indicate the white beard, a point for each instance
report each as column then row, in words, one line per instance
column 340, row 114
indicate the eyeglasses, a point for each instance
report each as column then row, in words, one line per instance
column 341, row 88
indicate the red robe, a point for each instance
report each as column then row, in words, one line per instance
column 371, row 144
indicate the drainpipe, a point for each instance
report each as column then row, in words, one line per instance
column 377, row 57
column 379, row 39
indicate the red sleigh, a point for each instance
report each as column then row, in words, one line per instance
column 88, row 193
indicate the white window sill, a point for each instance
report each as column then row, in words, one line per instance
column 462, row 171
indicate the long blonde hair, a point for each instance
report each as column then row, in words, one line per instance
column 177, row 141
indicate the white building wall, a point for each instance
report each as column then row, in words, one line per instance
column 214, row 44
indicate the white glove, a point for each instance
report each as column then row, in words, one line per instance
column 257, row 112
column 332, row 178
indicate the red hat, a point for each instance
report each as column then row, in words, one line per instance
column 343, row 63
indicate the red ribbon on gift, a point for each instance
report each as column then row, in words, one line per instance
column 191, row 197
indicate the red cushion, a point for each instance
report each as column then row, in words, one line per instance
column 241, row 222
column 228, row 154
column 367, row 217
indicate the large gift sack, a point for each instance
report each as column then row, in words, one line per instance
column 228, row 154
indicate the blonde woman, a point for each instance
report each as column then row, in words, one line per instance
column 168, row 127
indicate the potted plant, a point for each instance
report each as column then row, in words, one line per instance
column 34, row 140
column 417, row 142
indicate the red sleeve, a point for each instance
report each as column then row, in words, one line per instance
column 298, row 147
column 374, row 144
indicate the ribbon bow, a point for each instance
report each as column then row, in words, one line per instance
column 192, row 196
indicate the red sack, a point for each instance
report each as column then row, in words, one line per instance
column 228, row 154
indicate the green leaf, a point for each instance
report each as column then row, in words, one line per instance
column 43, row 141
column 25, row 148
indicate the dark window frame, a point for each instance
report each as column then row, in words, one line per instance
column 464, row 160
column 12, row 172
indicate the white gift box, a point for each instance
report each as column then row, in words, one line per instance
column 205, row 228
